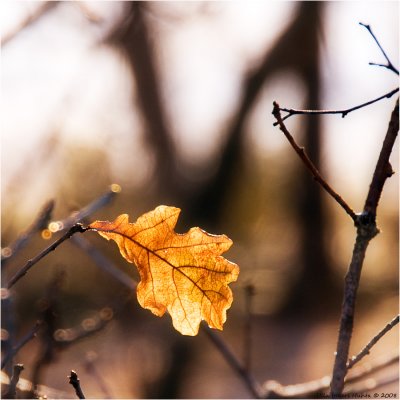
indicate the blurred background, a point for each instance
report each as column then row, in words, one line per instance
column 171, row 102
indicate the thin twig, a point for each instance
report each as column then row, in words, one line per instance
column 75, row 382
column 319, row 387
column 291, row 111
column 309, row 164
column 12, row 389
column 249, row 379
column 372, row 342
column 366, row 230
column 389, row 64
column 40, row 11
column 27, row 338
column 74, row 229
column 91, row 369
column 92, row 207
column 38, row 224
column 363, row 370
column 103, row 262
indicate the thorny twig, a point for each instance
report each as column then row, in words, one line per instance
column 74, row 229
column 372, row 342
column 291, row 111
column 389, row 64
column 75, row 382
column 366, row 230
column 309, row 164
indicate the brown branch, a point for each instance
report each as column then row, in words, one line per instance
column 389, row 64
column 372, row 342
column 291, row 111
column 231, row 359
column 12, row 388
column 366, row 230
column 75, row 382
column 39, row 12
column 74, row 229
column 103, row 262
column 27, row 338
column 92, row 207
column 319, row 387
column 309, row 164
column 37, row 225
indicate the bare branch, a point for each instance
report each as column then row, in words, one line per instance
column 319, row 387
column 12, row 388
column 366, row 230
column 27, row 338
column 75, row 382
column 86, row 211
column 41, row 10
column 372, row 342
column 291, row 111
column 103, row 262
column 245, row 375
column 309, row 164
column 389, row 64
column 74, row 229
column 38, row 224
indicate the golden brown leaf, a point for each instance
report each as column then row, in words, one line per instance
column 182, row 273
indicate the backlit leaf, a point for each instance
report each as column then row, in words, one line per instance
column 182, row 273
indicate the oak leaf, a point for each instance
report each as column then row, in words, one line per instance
column 182, row 273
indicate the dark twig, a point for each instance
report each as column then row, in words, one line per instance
column 75, row 382
column 309, row 164
column 88, row 210
column 28, row 337
column 38, row 224
column 74, row 229
column 291, row 111
column 372, row 342
column 389, row 64
column 366, row 230
column 12, row 388
column 245, row 375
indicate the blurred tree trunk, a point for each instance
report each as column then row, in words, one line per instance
column 133, row 38
column 297, row 50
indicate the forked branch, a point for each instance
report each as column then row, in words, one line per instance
column 389, row 64
column 366, row 230
column 373, row 342
column 291, row 111
column 71, row 231
column 310, row 165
